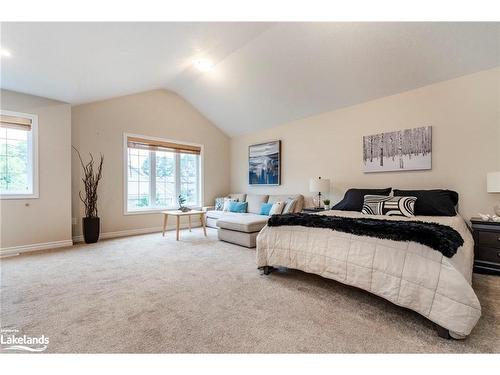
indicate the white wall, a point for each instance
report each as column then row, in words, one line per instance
column 98, row 128
column 46, row 219
column 463, row 112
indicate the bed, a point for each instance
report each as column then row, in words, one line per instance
column 406, row 273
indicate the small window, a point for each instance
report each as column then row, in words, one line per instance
column 158, row 171
column 18, row 155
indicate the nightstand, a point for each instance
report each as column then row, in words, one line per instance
column 486, row 246
column 312, row 210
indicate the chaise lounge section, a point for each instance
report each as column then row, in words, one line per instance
column 242, row 228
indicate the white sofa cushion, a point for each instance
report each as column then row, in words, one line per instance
column 218, row 214
column 240, row 197
column 247, row 223
column 255, row 202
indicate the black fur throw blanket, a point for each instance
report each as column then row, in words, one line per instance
column 439, row 237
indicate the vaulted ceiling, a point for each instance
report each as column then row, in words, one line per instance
column 264, row 74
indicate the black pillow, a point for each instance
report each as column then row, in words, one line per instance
column 354, row 198
column 432, row 202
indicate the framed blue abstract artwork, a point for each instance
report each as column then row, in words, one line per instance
column 264, row 163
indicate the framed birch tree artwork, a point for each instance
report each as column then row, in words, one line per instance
column 402, row 150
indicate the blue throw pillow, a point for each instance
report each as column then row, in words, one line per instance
column 265, row 208
column 240, row 207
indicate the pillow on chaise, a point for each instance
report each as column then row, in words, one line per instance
column 389, row 206
column 437, row 202
column 219, row 203
column 227, row 203
column 240, row 207
column 354, row 198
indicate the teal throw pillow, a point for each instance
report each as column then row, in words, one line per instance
column 265, row 208
column 240, row 207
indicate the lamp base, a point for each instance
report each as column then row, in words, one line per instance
column 316, row 202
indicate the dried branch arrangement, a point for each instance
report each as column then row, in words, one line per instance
column 90, row 182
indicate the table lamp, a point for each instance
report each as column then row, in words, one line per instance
column 318, row 185
column 493, row 186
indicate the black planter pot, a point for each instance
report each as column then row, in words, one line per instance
column 91, row 228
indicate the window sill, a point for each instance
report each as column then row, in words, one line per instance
column 18, row 196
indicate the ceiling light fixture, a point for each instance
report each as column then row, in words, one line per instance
column 4, row 52
column 203, row 65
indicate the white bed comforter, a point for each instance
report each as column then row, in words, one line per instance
column 406, row 273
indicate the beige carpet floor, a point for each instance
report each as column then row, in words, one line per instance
column 153, row 294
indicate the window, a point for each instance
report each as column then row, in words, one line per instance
column 158, row 171
column 18, row 153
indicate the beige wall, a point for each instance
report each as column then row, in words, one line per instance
column 463, row 112
column 47, row 218
column 98, row 128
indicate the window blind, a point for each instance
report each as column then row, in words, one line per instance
column 14, row 122
column 149, row 144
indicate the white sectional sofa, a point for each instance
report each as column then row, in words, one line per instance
column 242, row 228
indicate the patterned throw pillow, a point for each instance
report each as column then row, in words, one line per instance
column 289, row 206
column 389, row 206
column 219, row 203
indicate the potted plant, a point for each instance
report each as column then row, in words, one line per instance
column 181, row 200
column 91, row 178
column 326, row 202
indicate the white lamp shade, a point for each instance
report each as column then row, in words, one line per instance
column 493, row 182
column 317, row 185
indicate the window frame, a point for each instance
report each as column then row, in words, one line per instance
column 125, row 174
column 32, row 157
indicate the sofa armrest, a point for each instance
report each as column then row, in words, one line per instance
column 208, row 208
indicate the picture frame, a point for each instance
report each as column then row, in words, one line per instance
column 400, row 150
column 264, row 163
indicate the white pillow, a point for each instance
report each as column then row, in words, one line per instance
column 227, row 203
column 277, row 208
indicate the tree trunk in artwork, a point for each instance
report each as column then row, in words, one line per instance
column 392, row 147
column 371, row 149
column 400, row 151
column 410, row 146
column 382, row 150
column 364, row 150
column 423, row 143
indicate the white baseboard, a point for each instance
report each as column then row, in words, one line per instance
column 16, row 250
column 133, row 232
